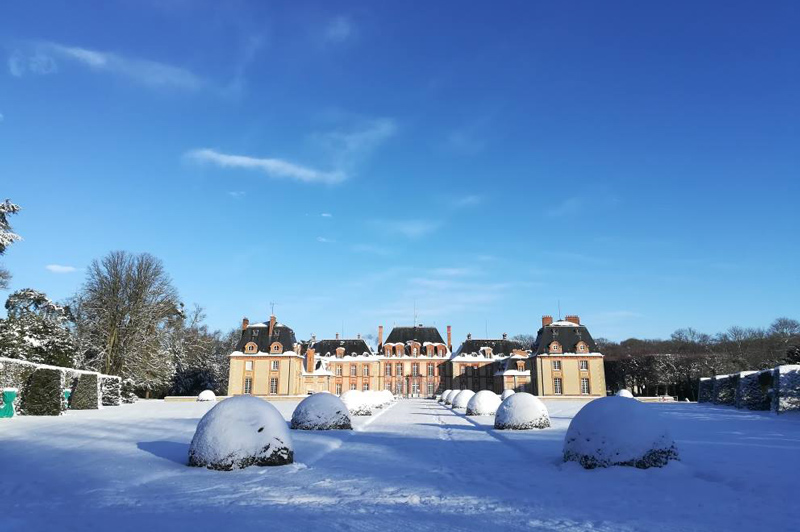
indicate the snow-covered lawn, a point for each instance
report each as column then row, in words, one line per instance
column 416, row 466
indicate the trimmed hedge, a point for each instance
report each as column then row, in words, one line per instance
column 724, row 390
column 786, row 396
column 111, row 390
column 85, row 392
column 43, row 393
column 753, row 391
column 705, row 392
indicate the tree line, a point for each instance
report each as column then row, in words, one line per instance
column 126, row 319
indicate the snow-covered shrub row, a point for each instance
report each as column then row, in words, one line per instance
column 449, row 396
column 521, row 411
column 724, row 390
column 321, row 411
column 240, row 432
column 463, row 397
column 357, row 403
column 618, row 431
column 786, row 394
column 85, row 393
column 444, row 394
column 483, row 403
column 14, row 374
column 625, row 393
column 506, row 393
column 207, row 396
column 43, row 393
column 378, row 399
column 753, row 390
column 110, row 390
column 127, row 391
column 705, row 390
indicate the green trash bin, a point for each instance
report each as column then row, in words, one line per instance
column 9, row 395
column 67, row 394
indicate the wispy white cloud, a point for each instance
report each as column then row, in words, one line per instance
column 236, row 194
column 339, row 29
column 37, row 62
column 276, row 168
column 325, row 240
column 350, row 146
column 567, row 207
column 409, row 228
column 468, row 201
column 326, row 215
column 59, row 268
column 453, row 272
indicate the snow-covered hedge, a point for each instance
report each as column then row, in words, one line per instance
column 705, row 390
column 128, row 394
column 14, row 374
column 207, row 396
column 724, row 390
column 240, row 432
column 442, row 397
column 463, row 397
column 357, row 403
column 625, row 393
column 521, row 411
column 321, row 411
column 483, row 403
column 110, row 390
column 85, row 393
column 618, row 431
column 506, row 393
column 786, row 395
column 449, row 396
column 43, row 393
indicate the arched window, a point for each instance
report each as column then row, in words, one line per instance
column 251, row 347
column 276, row 347
column 555, row 347
column 582, row 347
column 339, row 352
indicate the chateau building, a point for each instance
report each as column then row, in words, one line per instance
column 416, row 362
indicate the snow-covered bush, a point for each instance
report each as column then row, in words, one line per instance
column 356, row 403
column 753, row 391
column 625, row 393
column 617, row 431
column 128, row 391
column 85, row 394
column 207, row 395
column 705, row 390
column 521, row 411
column 448, row 397
column 240, row 432
column 321, row 411
column 43, row 393
column 483, row 403
column 110, row 390
column 380, row 399
column 724, row 390
column 507, row 392
column 463, row 397
column 444, row 395
column 14, row 374
column 786, row 396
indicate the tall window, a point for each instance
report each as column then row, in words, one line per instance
column 248, row 365
column 339, row 370
column 430, row 388
column 415, row 369
column 388, row 370
column 276, row 364
column 585, row 386
column 273, row 386
column 430, row 371
column 557, row 365
column 366, row 370
column 557, row 386
column 584, row 365
column 338, row 388
column 248, row 385
column 520, row 366
column 353, row 370
column 399, row 369
column 463, row 370
column 387, row 386
column 352, row 386
column 365, row 387
column 415, row 388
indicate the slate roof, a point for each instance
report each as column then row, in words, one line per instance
column 499, row 347
column 259, row 333
column 568, row 337
column 352, row 347
column 420, row 334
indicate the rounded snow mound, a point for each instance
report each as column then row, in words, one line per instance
column 448, row 397
column 321, row 411
column 462, row 398
column 625, row 393
column 521, row 411
column 239, row 432
column 378, row 399
column 357, row 403
column 483, row 403
column 207, row 395
column 444, row 396
column 506, row 393
column 616, row 431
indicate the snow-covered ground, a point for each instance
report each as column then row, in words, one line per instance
column 417, row 465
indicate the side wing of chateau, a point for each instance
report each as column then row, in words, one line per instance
column 416, row 362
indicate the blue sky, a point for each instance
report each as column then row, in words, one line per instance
column 637, row 162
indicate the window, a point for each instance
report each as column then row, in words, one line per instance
column 399, row 369
column 430, row 371
column 557, row 365
column 388, row 370
column 555, row 347
column 585, row 386
column 557, row 386
column 276, row 347
column 353, row 386
column 415, row 388
column 248, row 385
column 365, row 387
column 430, row 388
column 520, row 366
column 339, row 371
column 273, row 386
column 398, row 388
column 338, row 388
column 366, row 370
column 581, row 347
column 388, row 386
column 251, row 347
column 463, row 370
column 584, row 365
column 248, row 365
column 353, row 370
column 276, row 365
column 415, row 370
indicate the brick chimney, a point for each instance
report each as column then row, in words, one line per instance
column 449, row 338
column 573, row 319
column 271, row 325
column 337, row 336
column 245, row 323
column 380, row 335
column 547, row 320
column 310, row 360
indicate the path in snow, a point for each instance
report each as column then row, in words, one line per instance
column 415, row 466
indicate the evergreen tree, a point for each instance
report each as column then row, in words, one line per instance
column 7, row 237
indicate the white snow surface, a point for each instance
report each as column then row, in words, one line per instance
column 521, row 411
column 506, row 393
column 207, row 395
column 239, row 429
column 483, row 403
column 625, row 393
column 357, row 403
column 410, row 467
column 462, row 398
column 321, row 411
column 616, row 429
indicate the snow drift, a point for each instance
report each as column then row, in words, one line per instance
column 521, row 411
column 463, row 397
column 356, row 403
column 617, row 431
column 625, row 393
column 321, row 411
column 239, row 432
column 483, row 403
column 207, row 395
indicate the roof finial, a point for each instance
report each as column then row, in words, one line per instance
column 559, row 310
column 272, row 308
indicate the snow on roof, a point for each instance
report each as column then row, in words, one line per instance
column 564, row 323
